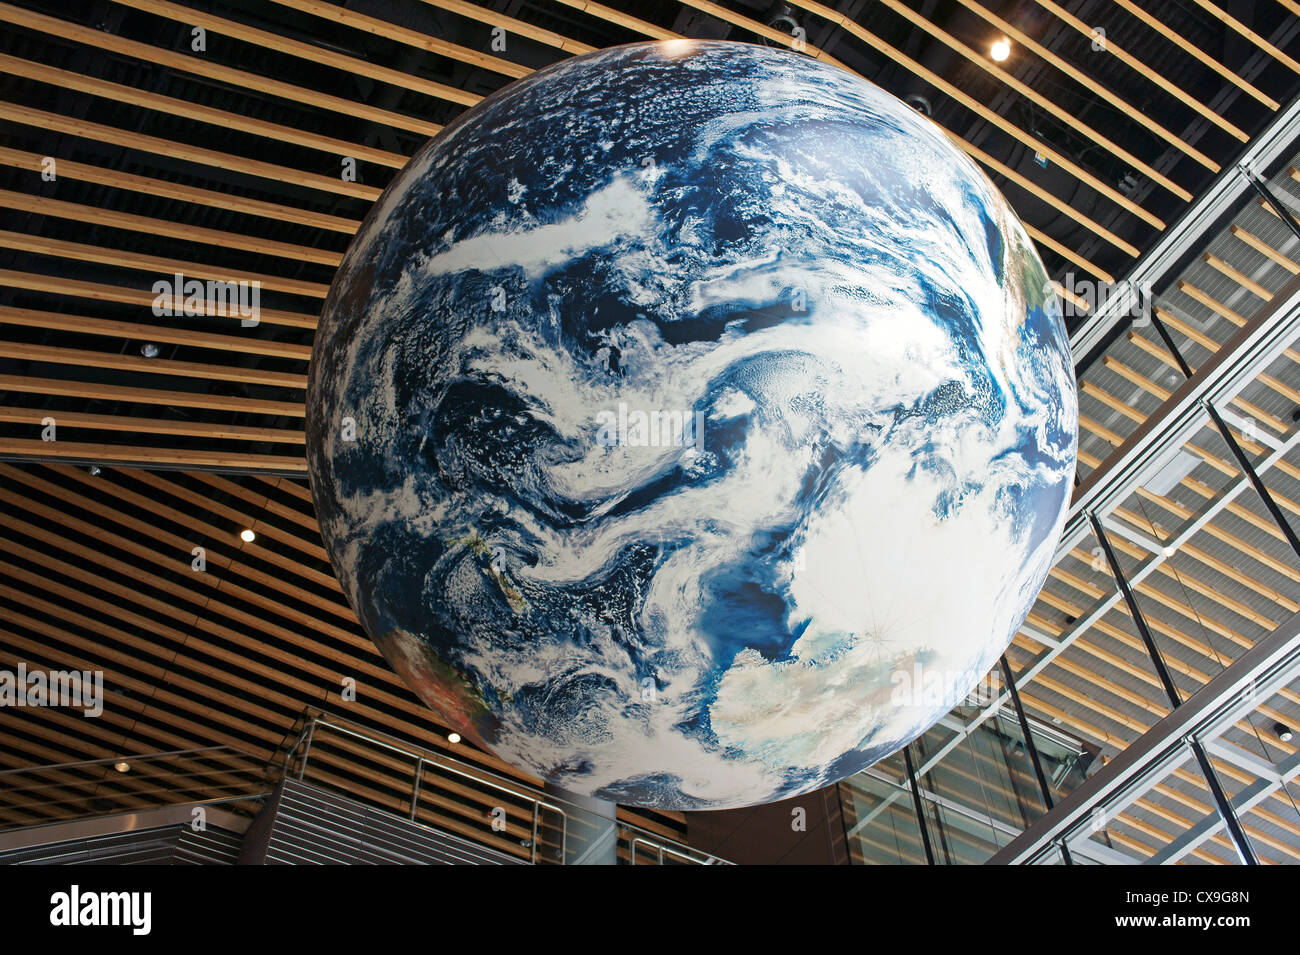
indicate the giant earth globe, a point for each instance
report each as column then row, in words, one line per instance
column 691, row 424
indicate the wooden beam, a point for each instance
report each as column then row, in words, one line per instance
column 83, row 358
column 82, row 325
column 980, row 109
column 169, row 190
column 76, row 288
column 173, row 149
column 156, row 266
column 36, row 450
column 192, row 17
column 210, row 70
column 38, row 205
column 1145, row 71
column 1192, row 50
column 150, row 396
column 104, row 422
column 224, row 119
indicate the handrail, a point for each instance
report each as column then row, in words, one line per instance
column 422, row 756
column 661, row 849
column 313, row 718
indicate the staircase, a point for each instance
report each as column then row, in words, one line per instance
column 307, row 825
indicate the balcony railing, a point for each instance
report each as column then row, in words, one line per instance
column 433, row 789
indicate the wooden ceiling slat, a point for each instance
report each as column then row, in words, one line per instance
column 231, row 564
column 1249, row 34
column 961, row 96
column 174, row 149
column 126, row 801
column 1131, row 111
column 987, row 65
column 1262, row 247
column 290, row 487
column 619, row 18
column 208, row 505
column 170, row 190
column 289, row 672
column 1202, row 649
column 207, row 69
column 211, row 116
column 263, row 502
column 1263, row 417
column 336, row 13
column 1225, row 537
column 1222, row 567
column 760, row 29
column 1244, row 281
column 192, row 17
column 152, row 396
column 351, row 637
column 38, row 205
column 179, row 693
column 1146, row 72
column 102, row 422
column 148, row 366
column 137, row 331
column 182, row 548
column 154, row 457
column 327, row 683
column 1056, row 203
column 1100, row 735
column 1191, row 49
column 81, row 252
column 76, row 288
column 473, row 11
column 1069, row 254
column 66, row 796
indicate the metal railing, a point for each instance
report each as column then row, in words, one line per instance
column 427, row 765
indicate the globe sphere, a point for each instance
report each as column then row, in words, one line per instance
column 691, row 424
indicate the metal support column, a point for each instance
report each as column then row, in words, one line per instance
column 1266, row 193
column 916, row 804
column 1248, row 469
column 1175, row 699
column 1238, row 452
column 1030, row 748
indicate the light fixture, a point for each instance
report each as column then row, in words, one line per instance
column 918, row 103
column 122, row 766
column 1283, row 732
column 94, row 470
column 150, row 350
column 1000, row 50
column 453, row 737
column 247, row 535
column 1170, row 551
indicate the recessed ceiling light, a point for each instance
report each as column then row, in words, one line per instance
column 150, row 350
column 247, row 535
column 1000, row 50
column 453, row 737
column 1170, row 551
column 94, row 470
column 122, row 766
